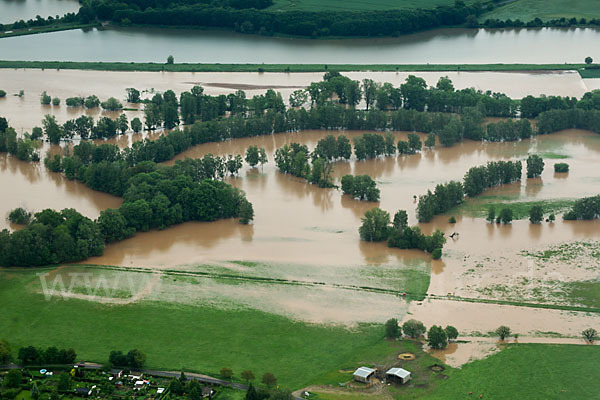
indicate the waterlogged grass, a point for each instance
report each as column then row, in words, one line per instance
column 526, row 10
column 554, row 156
column 184, row 67
column 586, row 293
column 479, row 207
column 550, row 372
column 178, row 336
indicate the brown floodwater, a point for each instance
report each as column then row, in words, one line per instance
column 301, row 223
column 26, row 112
column 315, row 230
column 32, row 186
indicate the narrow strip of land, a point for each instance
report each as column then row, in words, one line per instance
column 185, row 67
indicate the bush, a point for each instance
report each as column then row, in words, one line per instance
column 45, row 99
column 112, row 104
column 75, row 101
column 451, row 332
column 536, row 214
column 56, row 101
column 2, row 93
column 91, row 102
column 437, row 337
column 436, row 254
column 452, row 220
column 561, row 167
column 535, row 166
column 19, row 216
column 392, row 330
column 413, row 328
column 503, row 332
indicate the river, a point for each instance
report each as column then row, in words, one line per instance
column 442, row 46
column 14, row 10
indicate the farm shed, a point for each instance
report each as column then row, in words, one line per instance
column 363, row 374
column 398, row 375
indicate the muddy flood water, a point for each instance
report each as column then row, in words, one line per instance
column 308, row 236
column 26, row 112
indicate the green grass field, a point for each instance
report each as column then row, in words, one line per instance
column 355, row 5
column 175, row 336
column 527, row 371
column 526, row 10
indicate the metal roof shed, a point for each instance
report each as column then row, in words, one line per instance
column 363, row 374
column 398, row 374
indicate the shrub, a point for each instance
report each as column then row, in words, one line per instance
column 436, row 254
column 503, row 332
column 19, row 216
column 392, row 329
column 561, row 167
column 452, row 220
column 45, row 99
column 437, row 337
column 413, row 328
column 56, row 101
column 2, row 93
column 451, row 332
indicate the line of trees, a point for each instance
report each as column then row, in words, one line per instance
column 377, row 227
column 133, row 359
column 36, row 356
column 586, row 208
column 476, row 180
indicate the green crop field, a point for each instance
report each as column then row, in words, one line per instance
column 354, row 5
column 527, row 371
column 526, row 10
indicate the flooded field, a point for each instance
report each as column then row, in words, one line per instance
column 26, row 112
column 302, row 256
column 440, row 46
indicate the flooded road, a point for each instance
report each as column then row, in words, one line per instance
column 440, row 46
column 26, row 112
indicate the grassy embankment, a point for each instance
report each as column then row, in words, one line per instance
column 185, row 67
column 526, row 10
column 479, row 206
column 44, row 29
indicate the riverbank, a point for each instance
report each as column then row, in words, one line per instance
column 217, row 67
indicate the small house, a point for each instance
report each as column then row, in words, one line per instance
column 207, row 392
column 398, row 375
column 160, row 390
column 363, row 374
column 116, row 373
column 83, row 391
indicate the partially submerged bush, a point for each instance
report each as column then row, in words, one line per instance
column 19, row 216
